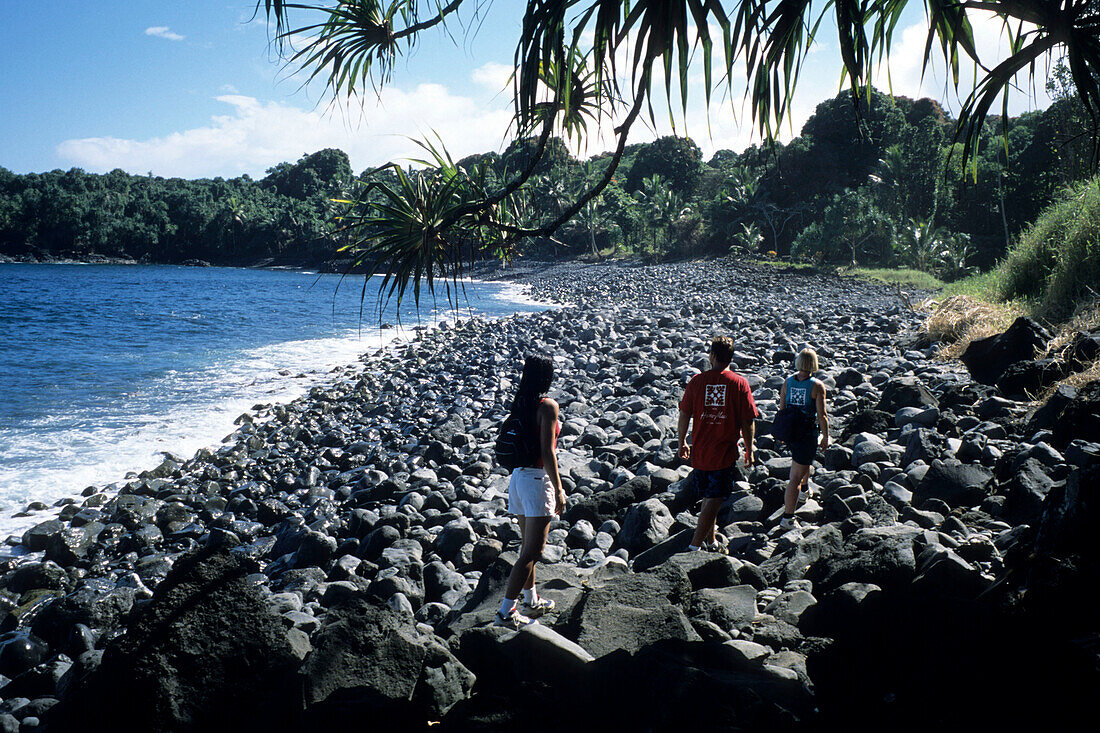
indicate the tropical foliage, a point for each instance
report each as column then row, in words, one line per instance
column 566, row 79
column 285, row 218
column 890, row 193
column 1057, row 260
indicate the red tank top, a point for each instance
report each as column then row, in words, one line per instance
column 557, row 429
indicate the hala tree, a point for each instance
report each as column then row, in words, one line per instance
column 566, row 80
column 677, row 160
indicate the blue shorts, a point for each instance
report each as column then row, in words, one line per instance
column 715, row 484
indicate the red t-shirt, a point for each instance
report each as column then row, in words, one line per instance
column 719, row 403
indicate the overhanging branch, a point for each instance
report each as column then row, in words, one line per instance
column 425, row 25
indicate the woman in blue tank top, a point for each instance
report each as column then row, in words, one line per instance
column 801, row 390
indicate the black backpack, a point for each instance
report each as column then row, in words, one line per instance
column 785, row 424
column 514, row 447
column 791, row 424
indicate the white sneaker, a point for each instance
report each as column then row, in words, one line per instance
column 514, row 620
column 789, row 523
column 715, row 547
column 538, row 608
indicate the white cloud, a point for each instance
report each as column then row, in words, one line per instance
column 493, row 77
column 992, row 44
column 229, row 89
column 256, row 135
column 163, row 31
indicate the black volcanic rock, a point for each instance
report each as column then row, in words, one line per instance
column 1028, row 379
column 988, row 358
column 1080, row 419
column 954, row 482
column 205, row 654
column 905, row 392
column 370, row 662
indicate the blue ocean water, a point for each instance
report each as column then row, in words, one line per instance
column 106, row 366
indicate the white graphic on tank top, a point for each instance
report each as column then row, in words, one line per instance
column 798, row 395
column 715, row 396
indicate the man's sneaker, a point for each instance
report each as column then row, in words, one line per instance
column 538, row 608
column 714, row 547
column 514, row 620
column 788, row 523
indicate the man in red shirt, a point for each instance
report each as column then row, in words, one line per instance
column 719, row 405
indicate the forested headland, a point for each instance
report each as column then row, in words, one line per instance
column 882, row 184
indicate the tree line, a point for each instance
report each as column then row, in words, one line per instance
column 881, row 184
column 285, row 218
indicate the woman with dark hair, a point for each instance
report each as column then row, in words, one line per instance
column 535, row 493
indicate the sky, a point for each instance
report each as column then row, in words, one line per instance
column 194, row 89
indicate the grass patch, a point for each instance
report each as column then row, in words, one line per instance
column 916, row 279
column 1056, row 263
column 784, row 264
column 959, row 319
column 984, row 286
column 1087, row 319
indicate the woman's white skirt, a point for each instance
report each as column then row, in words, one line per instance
column 531, row 493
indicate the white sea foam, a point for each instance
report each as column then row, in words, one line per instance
column 47, row 465
column 517, row 293
column 63, row 454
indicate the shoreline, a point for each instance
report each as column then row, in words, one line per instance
column 18, row 518
column 365, row 522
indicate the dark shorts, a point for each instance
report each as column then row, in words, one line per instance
column 715, row 484
column 804, row 448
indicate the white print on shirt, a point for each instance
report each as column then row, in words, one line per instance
column 797, row 396
column 715, row 395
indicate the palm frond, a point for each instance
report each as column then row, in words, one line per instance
column 399, row 230
column 356, row 41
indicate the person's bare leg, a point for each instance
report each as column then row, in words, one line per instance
column 508, row 593
column 539, row 527
column 790, row 496
column 523, row 572
column 704, row 530
column 522, row 538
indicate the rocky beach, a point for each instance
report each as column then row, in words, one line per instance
column 338, row 560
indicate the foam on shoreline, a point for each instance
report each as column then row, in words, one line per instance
column 274, row 374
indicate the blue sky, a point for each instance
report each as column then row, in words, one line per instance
column 193, row 89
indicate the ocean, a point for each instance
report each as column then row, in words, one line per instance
column 106, row 367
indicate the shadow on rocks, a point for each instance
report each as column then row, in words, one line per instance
column 206, row 653
column 944, row 656
column 671, row 685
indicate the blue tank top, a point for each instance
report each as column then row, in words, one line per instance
column 800, row 394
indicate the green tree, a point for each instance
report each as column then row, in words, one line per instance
column 921, row 243
column 663, row 207
column 853, row 229
column 523, row 153
column 677, row 160
column 565, row 71
column 324, row 173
